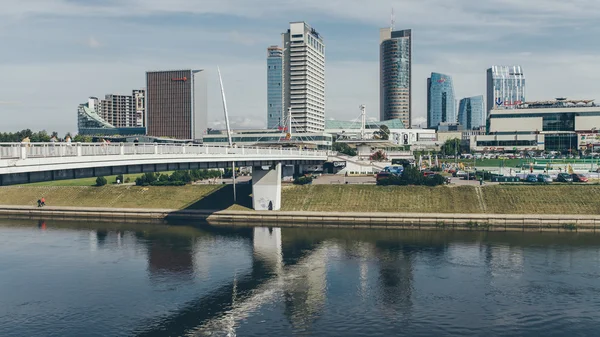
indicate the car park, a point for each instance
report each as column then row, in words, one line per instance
column 564, row 178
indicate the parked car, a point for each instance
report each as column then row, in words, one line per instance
column 382, row 175
column 579, row 178
column 544, row 178
column 564, row 178
column 531, row 178
column 428, row 173
column 395, row 169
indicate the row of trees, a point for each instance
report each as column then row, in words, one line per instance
column 177, row 178
column 39, row 137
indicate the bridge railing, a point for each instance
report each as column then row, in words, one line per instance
column 49, row 150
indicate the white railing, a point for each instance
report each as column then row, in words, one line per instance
column 49, row 150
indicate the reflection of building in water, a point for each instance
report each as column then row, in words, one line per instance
column 505, row 261
column 395, row 274
column 171, row 256
column 305, row 293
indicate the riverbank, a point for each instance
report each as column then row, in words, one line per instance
column 414, row 221
column 498, row 199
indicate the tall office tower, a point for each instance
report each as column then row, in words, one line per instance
column 471, row 113
column 441, row 104
column 176, row 104
column 304, row 77
column 395, row 62
column 505, row 87
column 274, row 87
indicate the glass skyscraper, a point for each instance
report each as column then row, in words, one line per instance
column 471, row 114
column 505, row 87
column 395, row 75
column 274, row 87
column 441, row 103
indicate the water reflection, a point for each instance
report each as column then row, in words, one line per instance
column 150, row 280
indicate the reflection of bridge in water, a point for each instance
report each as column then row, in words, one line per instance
column 284, row 266
column 271, row 269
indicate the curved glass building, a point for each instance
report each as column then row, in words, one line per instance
column 441, row 103
column 90, row 123
column 471, row 113
column 395, row 75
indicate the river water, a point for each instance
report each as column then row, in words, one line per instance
column 91, row 279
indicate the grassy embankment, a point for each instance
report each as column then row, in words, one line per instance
column 512, row 199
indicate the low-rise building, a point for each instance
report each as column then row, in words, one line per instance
column 558, row 125
column 398, row 134
column 275, row 138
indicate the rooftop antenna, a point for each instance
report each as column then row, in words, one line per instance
column 393, row 20
column 228, row 131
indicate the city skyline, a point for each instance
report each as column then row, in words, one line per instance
column 110, row 46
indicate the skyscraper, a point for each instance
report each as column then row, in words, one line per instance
column 505, row 87
column 441, row 103
column 395, row 75
column 274, row 87
column 304, row 77
column 176, row 104
column 471, row 113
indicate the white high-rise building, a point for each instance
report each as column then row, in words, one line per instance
column 304, row 77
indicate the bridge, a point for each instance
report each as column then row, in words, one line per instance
column 22, row 163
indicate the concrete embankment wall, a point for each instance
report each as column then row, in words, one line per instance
column 422, row 221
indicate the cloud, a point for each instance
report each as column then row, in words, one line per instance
column 93, row 43
column 61, row 56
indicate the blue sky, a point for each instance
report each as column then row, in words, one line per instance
column 56, row 53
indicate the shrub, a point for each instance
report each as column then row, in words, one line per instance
column 378, row 156
column 119, row 178
column 303, row 180
column 101, row 181
column 435, row 180
column 146, row 179
column 412, row 176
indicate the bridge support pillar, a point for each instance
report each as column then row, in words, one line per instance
column 266, row 188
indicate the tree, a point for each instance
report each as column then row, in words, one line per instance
column 382, row 133
column 82, row 139
column 451, row 147
column 344, row 149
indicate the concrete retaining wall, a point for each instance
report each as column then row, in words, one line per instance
column 473, row 222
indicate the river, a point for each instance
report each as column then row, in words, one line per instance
column 62, row 278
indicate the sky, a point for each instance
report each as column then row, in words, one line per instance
column 56, row 53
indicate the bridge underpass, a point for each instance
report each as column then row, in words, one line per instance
column 22, row 163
